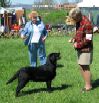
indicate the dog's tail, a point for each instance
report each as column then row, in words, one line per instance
column 13, row 78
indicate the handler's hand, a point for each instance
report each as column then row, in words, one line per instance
column 75, row 45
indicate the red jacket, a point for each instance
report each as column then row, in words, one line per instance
column 84, row 30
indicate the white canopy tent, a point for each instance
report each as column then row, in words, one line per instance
column 85, row 3
column 88, row 3
column 90, row 7
column 2, row 10
column 10, row 16
column 9, row 10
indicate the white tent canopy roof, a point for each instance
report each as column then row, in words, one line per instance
column 88, row 3
column 9, row 10
column 2, row 10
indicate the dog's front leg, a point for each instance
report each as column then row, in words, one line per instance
column 49, row 86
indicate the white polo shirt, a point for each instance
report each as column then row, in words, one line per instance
column 36, row 34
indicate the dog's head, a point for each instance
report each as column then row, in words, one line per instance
column 53, row 57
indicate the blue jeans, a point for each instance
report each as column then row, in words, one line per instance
column 37, row 49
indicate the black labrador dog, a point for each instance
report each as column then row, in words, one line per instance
column 44, row 73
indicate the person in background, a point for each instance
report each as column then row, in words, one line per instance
column 83, row 44
column 35, row 35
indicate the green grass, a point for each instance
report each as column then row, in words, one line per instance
column 67, row 84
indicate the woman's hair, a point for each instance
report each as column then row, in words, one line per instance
column 75, row 11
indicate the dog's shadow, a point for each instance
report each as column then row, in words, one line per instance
column 44, row 90
column 95, row 84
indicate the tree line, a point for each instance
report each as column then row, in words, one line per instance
column 5, row 3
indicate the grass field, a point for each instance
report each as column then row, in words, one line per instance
column 66, row 85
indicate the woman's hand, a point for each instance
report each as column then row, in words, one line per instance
column 43, row 39
column 23, row 37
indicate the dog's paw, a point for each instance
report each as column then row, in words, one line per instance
column 17, row 95
column 49, row 90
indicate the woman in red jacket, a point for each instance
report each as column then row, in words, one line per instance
column 83, row 43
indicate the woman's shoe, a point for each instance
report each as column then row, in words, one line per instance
column 83, row 90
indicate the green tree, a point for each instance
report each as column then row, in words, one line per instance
column 5, row 3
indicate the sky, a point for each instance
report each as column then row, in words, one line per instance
column 30, row 1
column 22, row 1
